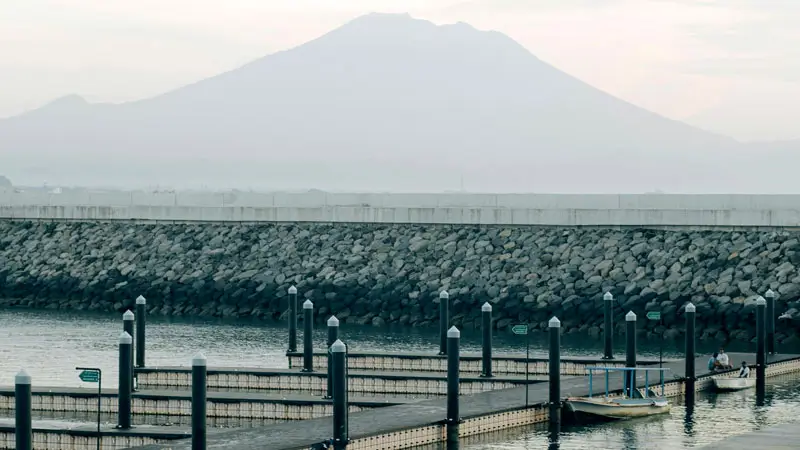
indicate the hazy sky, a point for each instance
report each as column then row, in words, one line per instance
column 731, row 66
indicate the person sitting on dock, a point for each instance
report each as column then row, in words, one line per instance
column 724, row 362
column 744, row 372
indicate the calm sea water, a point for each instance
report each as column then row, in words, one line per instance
column 50, row 344
column 713, row 417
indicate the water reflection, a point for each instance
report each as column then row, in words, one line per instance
column 707, row 419
column 553, row 434
column 628, row 438
column 688, row 419
column 760, row 393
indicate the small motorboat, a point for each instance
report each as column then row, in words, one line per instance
column 727, row 384
column 618, row 407
column 632, row 403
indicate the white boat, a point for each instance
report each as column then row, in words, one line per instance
column 618, row 407
column 733, row 383
column 639, row 403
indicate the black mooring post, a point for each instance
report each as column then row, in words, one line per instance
column 608, row 326
column 761, row 354
column 340, row 403
column 554, row 363
column 691, row 356
column 292, row 320
column 23, row 424
column 770, row 322
column 199, row 400
column 127, row 326
column 486, row 330
column 308, row 337
column 125, row 382
column 333, row 336
column 141, row 313
column 444, row 321
column 453, row 360
column 630, row 350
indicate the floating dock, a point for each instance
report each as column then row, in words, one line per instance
column 64, row 437
column 360, row 382
column 248, row 405
column 470, row 363
column 422, row 423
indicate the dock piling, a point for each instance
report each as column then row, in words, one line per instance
column 453, row 360
column 340, row 408
column 23, row 423
column 141, row 312
column 292, row 319
column 689, row 372
column 608, row 326
column 444, row 321
column 630, row 346
column 486, row 330
column 554, row 363
column 127, row 326
column 333, row 336
column 308, row 341
column 770, row 297
column 125, row 381
column 199, row 387
column 761, row 357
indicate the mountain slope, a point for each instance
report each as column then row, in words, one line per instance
column 385, row 102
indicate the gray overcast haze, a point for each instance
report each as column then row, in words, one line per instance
column 247, row 94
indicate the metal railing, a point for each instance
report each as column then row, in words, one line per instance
column 628, row 379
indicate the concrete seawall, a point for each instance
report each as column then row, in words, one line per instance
column 625, row 210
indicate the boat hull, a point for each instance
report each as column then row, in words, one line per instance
column 617, row 410
column 733, row 384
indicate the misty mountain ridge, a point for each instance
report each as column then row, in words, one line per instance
column 385, row 102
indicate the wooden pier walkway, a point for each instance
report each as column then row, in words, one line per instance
column 786, row 436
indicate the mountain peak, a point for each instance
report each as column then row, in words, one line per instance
column 401, row 20
column 68, row 101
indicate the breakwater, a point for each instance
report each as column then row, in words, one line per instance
column 392, row 273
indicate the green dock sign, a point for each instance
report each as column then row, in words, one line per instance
column 94, row 375
column 522, row 330
column 654, row 315
column 519, row 329
column 89, row 376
